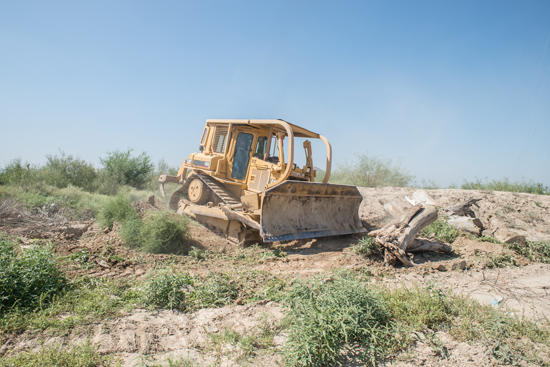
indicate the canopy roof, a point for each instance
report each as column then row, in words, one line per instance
column 297, row 130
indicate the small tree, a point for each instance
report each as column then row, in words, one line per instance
column 372, row 171
column 131, row 170
column 64, row 170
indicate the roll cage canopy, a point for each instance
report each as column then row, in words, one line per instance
column 298, row 131
column 291, row 131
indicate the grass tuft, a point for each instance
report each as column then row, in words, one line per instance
column 367, row 246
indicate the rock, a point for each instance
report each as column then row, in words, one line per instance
column 76, row 229
column 151, row 199
column 507, row 236
column 472, row 225
column 423, row 197
column 459, row 265
column 441, row 267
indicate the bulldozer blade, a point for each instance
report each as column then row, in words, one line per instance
column 295, row 210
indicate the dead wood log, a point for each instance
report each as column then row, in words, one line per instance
column 462, row 208
column 398, row 235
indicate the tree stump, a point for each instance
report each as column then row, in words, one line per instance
column 398, row 237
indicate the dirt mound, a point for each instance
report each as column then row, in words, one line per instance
column 525, row 214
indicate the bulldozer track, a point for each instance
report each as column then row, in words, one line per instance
column 225, row 196
column 218, row 189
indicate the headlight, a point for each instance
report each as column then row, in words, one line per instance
column 188, row 161
column 207, row 164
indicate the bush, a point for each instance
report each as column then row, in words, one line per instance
column 117, row 209
column 64, row 170
column 27, row 279
column 18, row 173
column 372, row 172
column 529, row 187
column 441, row 230
column 167, row 289
column 158, row 232
column 327, row 318
column 164, row 232
column 130, row 170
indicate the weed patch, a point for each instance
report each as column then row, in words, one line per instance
column 441, row 230
column 83, row 301
column 534, row 251
column 84, row 355
column 167, row 289
column 501, row 260
column 215, row 291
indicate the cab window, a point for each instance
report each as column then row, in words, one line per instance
column 242, row 155
column 261, row 147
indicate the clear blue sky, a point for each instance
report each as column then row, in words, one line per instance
column 455, row 89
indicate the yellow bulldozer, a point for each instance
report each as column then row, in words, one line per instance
column 242, row 184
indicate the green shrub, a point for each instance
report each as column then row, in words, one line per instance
column 84, row 355
column 529, row 187
column 367, row 246
column 372, row 171
column 59, row 171
column 158, row 232
column 216, row 291
column 164, row 232
column 117, row 209
column 327, row 318
column 441, row 230
column 130, row 170
column 28, row 278
column 167, row 289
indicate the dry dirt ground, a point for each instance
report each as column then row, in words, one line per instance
column 144, row 335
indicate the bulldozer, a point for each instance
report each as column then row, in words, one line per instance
column 243, row 184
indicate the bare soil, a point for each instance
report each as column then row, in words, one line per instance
column 523, row 289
